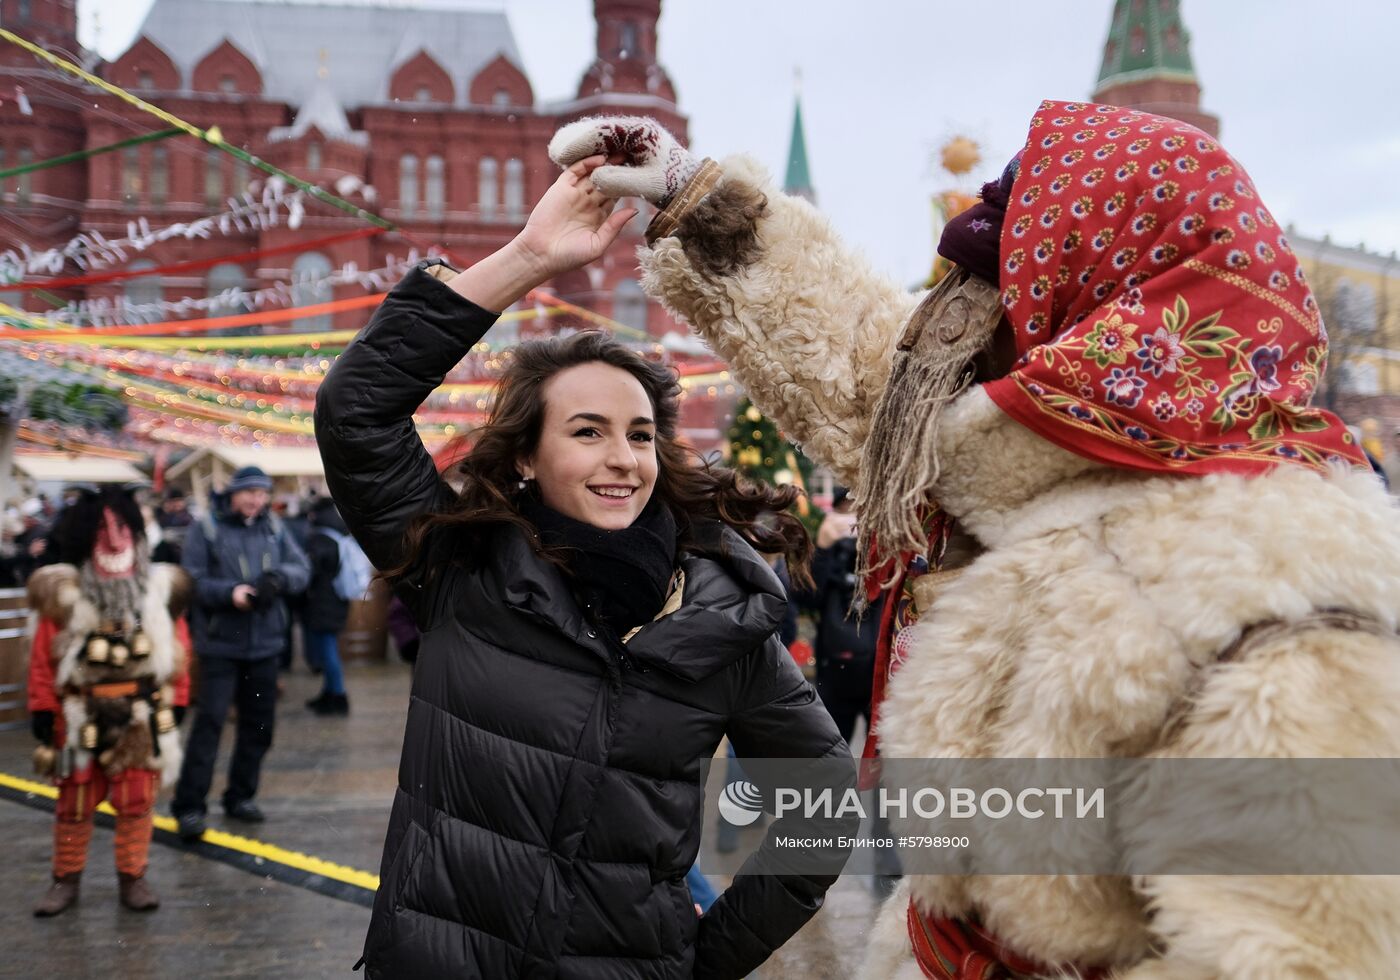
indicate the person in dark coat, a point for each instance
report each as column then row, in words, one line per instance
column 173, row 517
column 323, row 611
column 845, row 647
column 244, row 564
column 595, row 620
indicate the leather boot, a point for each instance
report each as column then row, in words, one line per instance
column 136, row 893
column 62, row 894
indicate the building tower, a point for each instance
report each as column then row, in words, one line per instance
column 625, row 61
column 798, row 181
column 1147, row 64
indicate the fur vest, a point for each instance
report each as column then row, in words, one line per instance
column 55, row 594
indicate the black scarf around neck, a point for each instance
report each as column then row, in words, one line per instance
column 621, row 577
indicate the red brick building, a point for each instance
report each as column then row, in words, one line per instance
column 424, row 116
column 429, row 108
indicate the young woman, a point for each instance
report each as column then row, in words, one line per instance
column 595, row 619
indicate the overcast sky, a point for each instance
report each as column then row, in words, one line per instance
column 1307, row 92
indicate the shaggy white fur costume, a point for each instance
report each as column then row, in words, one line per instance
column 1101, row 596
column 58, row 595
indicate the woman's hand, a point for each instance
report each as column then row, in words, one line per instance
column 574, row 223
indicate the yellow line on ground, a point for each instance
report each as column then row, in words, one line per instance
column 233, row 842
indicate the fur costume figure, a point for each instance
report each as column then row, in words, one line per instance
column 107, row 684
column 1111, row 523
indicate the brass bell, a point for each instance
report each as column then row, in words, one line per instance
column 140, row 646
column 45, row 760
column 165, row 720
column 119, row 654
column 90, row 736
column 97, row 650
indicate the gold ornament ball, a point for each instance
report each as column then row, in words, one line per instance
column 753, row 414
column 959, row 155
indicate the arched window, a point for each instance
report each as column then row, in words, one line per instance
column 515, row 190
column 629, row 40
column 310, row 286
column 486, row 189
column 408, row 185
column 222, row 280
column 24, row 183
column 435, row 187
column 160, row 176
column 142, row 294
column 313, row 156
column 131, row 176
column 214, row 177
column 630, row 304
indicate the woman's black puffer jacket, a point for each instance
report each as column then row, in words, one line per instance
column 549, row 801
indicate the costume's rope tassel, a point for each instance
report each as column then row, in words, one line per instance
column 900, row 464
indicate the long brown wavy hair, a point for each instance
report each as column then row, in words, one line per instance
column 691, row 487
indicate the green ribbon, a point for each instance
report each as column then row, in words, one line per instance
column 160, row 134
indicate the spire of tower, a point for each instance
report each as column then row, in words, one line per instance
column 798, row 181
column 1147, row 63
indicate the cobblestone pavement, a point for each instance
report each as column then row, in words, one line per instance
column 326, row 788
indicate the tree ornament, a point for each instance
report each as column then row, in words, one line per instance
column 959, row 155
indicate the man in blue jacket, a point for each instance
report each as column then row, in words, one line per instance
column 244, row 564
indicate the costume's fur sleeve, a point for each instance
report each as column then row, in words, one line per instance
column 807, row 326
column 53, row 591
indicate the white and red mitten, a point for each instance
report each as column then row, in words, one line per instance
column 657, row 165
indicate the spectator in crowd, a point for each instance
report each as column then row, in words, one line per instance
column 845, row 648
column 30, row 541
column 244, row 564
column 339, row 570
column 293, row 513
column 173, row 517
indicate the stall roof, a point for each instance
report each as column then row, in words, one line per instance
column 275, row 461
column 56, row 468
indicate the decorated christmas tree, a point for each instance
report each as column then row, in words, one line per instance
column 758, row 450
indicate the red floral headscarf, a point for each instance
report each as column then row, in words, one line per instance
column 1162, row 322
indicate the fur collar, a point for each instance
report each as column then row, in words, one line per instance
column 165, row 660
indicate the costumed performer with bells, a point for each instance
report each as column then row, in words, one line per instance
column 107, row 686
column 1109, row 521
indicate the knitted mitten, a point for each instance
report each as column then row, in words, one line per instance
column 657, row 166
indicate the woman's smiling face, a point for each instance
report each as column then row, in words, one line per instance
column 596, row 458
